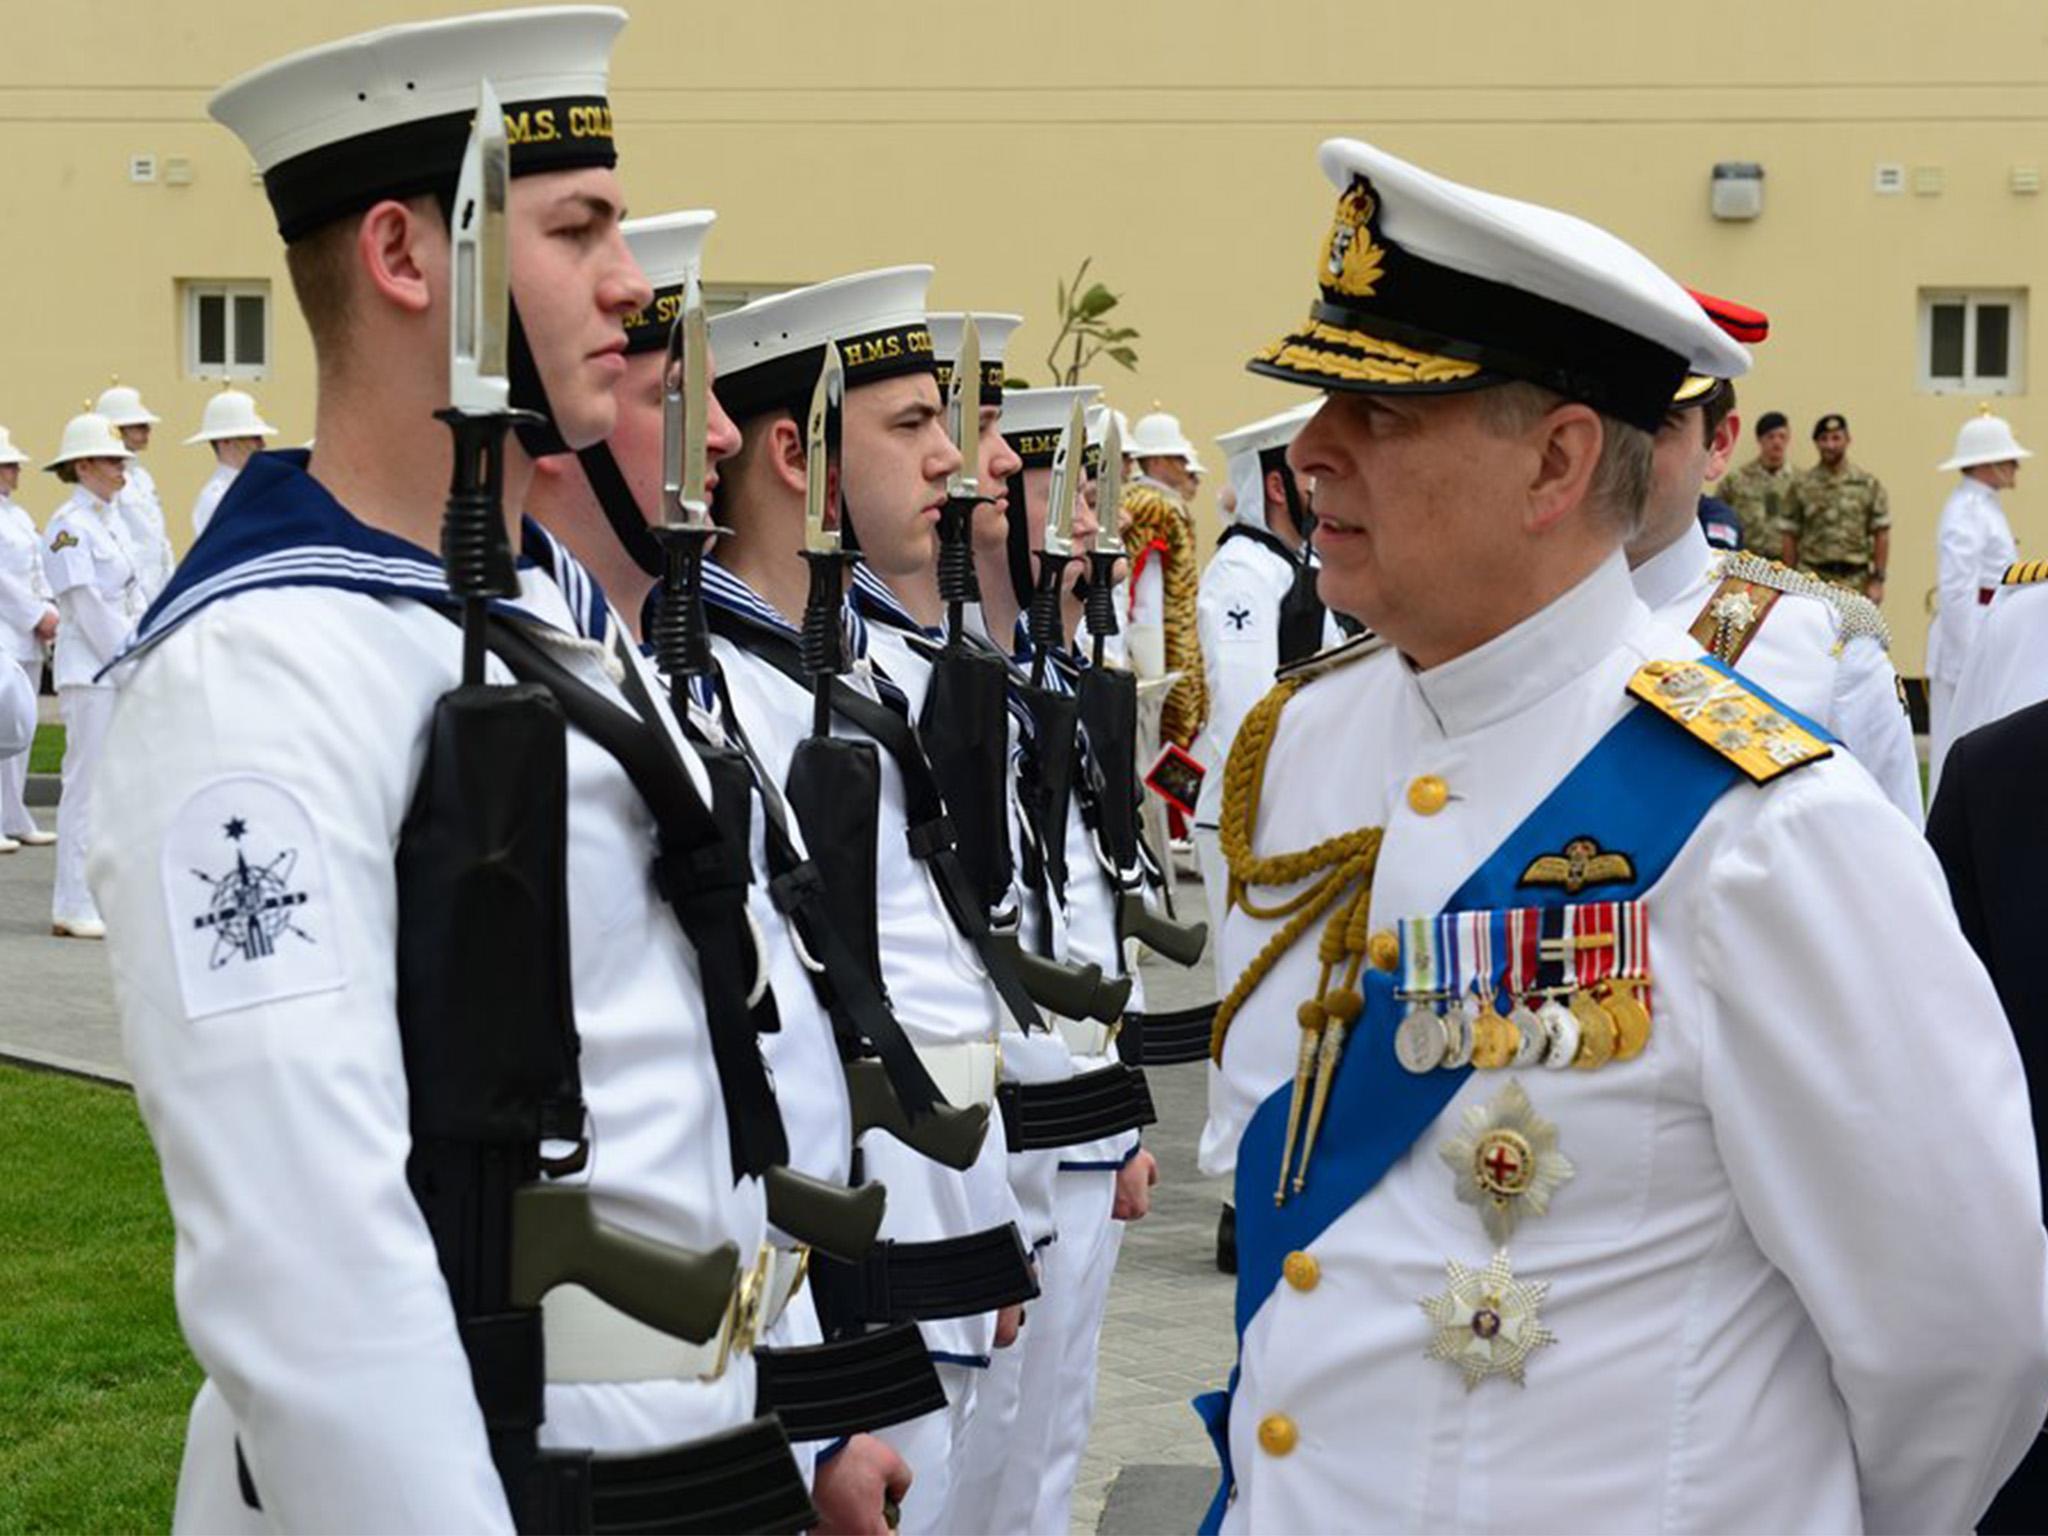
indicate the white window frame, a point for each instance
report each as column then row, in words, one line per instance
column 190, row 293
column 2013, row 382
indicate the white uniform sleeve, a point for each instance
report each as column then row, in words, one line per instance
column 307, row 1283
column 1238, row 622
column 2004, row 670
column 1873, row 725
column 17, row 710
column 103, row 624
column 21, row 607
column 1959, row 554
column 1871, row 1111
column 1146, row 632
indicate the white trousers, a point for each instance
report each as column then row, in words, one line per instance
column 1060, row 1344
column 14, row 816
column 928, row 1445
column 86, row 712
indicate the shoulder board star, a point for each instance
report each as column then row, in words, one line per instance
column 1854, row 614
column 1330, row 658
column 2024, row 573
column 1724, row 713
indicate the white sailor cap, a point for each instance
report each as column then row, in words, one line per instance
column 669, row 247
column 1428, row 286
column 769, row 353
column 1034, row 420
column 1275, row 431
column 387, row 114
column 996, row 331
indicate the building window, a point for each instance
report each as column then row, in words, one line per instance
column 227, row 330
column 1973, row 343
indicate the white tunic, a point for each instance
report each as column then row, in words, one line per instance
column 24, row 593
column 307, row 1282
column 1798, row 1280
column 142, row 526
column 2007, row 668
column 209, row 496
column 86, row 563
column 1799, row 656
column 1237, row 615
column 1976, row 545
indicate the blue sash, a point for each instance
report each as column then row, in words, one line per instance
column 1643, row 789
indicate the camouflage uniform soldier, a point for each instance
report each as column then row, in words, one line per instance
column 1757, row 490
column 1837, row 519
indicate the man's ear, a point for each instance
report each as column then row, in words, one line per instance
column 1276, row 494
column 1721, row 448
column 553, row 466
column 395, row 248
column 786, row 456
column 1567, row 441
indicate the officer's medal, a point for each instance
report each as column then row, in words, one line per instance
column 1421, row 1042
column 1505, row 1162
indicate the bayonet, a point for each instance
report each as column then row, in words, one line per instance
column 821, row 449
column 681, row 639
column 1108, row 548
column 1056, row 545
column 963, row 412
column 478, row 374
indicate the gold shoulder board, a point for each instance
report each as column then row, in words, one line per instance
column 1330, row 658
column 1724, row 714
column 2024, row 573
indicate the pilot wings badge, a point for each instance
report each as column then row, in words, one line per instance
column 1584, row 862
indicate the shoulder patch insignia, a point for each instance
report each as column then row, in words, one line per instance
column 1330, row 658
column 1733, row 613
column 1855, row 615
column 1726, row 714
column 65, row 539
column 2024, row 573
column 245, row 890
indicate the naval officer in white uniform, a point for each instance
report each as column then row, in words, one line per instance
column 28, row 622
column 1641, row 1269
column 266, row 1047
column 140, row 510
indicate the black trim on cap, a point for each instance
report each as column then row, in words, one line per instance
column 991, row 380
column 1039, row 446
column 647, row 329
column 561, row 133
column 786, row 382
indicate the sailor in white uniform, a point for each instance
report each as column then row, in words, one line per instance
column 896, row 461
column 99, row 598
column 270, row 740
column 1808, row 643
column 141, row 512
column 1976, row 548
column 28, row 623
column 1554, row 1095
column 233, row 428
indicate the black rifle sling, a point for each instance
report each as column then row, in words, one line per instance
column 929, row 831
column 1302, row 613
column 835, row 791
column 851, row 993
column 965, row 732
column 1046, row 782
column 1109, row 717
column 701, row 872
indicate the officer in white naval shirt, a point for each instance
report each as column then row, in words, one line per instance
column 99, row 598
column 1580, row 1027
column 895, row 462
column 141, row 511
column 233, row 428
column 1810, row 644
column 28, row 623
column 1975, row 548
column 387, row 1335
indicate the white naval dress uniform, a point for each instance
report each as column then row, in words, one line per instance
column 98, row 601
column 24, row 603
column 2007, row 668
column 1798, row 656
column 210, row 493
column 141, row 525
column 1975, row 546
column 17, row 717
column 1797, row 1283
column 307, row 1282
column 950, row 1013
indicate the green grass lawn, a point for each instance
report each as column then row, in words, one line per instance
column 95, row 1380
column 46, row 752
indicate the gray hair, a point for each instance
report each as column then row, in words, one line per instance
column 1619, row 493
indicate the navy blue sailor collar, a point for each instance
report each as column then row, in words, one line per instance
column 277, row 526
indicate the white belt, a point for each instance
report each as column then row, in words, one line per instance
column 965, row 1071
column 1087, row 1037
column 588, row 1339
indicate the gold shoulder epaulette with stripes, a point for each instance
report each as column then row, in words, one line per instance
column 1330, row 658
column 1724, row 714
column 2024, row 573
column 1855, row 615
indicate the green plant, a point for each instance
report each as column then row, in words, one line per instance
column 1084, row 330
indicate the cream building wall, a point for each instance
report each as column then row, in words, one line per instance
column 1171, row 140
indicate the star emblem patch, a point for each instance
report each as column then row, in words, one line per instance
column 1486, row 1321
column 1505, row 1163
column 1239, row 616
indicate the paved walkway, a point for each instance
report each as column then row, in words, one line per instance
column 1148, row 1467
